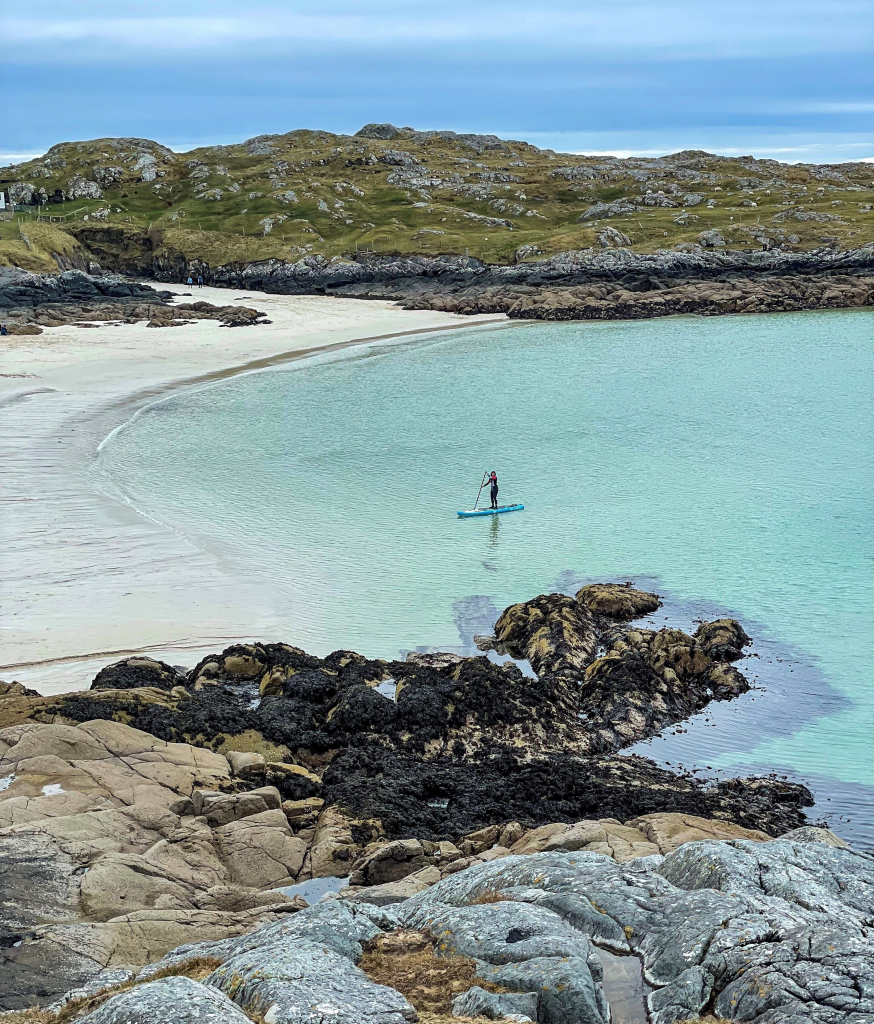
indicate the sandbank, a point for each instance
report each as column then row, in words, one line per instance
column 85, row 579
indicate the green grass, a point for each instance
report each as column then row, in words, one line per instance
column 322, row 169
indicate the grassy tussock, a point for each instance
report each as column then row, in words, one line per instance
column 489, row 896
column 428, row 981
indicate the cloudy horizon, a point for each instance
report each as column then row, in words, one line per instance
column 787, row 80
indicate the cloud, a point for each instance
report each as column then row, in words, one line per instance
column 742, row 27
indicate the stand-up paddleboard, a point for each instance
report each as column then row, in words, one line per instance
column 492, row 511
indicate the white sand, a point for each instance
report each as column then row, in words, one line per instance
column 85, row 579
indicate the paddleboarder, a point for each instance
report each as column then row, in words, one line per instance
column 493, row 486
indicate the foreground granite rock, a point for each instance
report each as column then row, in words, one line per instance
column 756, row 932
column 169, row 1001
column 763, row 932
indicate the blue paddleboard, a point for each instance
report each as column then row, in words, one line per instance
column 492, row 511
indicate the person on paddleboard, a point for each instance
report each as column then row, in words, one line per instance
column 493, row 485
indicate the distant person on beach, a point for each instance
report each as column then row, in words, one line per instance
column 493, row 483
column 200, row 280
column 190, row 282
column 3, row 329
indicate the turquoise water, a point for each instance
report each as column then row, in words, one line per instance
column 726, row 460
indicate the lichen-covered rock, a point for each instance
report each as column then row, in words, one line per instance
column 476, row 1002
column 340, row 925
column 568, row 992
column 764, row 931
column 168, row 1001
column 303, row 982
column 500, row 933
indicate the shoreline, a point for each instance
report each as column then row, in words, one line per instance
column 86, row 576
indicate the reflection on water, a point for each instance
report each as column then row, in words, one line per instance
column 727, row 461
column 315, row 889
column 624, row 987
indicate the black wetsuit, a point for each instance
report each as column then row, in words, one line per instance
column 494, row 492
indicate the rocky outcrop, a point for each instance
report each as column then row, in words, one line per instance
column 121, row 838
column 117, row 845
column 33, row 301
column 607, row 283
column 439, row 746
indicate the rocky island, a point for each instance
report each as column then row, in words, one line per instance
column 495, row 854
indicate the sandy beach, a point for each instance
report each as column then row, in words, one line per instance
column 85, row 578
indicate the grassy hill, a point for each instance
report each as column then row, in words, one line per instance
column 385, row 189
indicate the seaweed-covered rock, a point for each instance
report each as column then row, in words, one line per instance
column 554, row 633
column 444, row 799
column 139, row 671
column 722, row 640
column 618, row 600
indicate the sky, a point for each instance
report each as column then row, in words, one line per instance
column 789, row 79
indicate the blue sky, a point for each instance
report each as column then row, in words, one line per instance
column 792, row 79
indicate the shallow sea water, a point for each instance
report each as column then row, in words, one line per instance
column 726, row 462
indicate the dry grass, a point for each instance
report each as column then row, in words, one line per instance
column 197, row 969
column 490, row 896
column 407, row 962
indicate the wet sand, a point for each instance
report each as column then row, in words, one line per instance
column 84, row 578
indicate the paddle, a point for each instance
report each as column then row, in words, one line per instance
column 479, row 492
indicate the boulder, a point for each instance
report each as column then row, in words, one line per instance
column 396, row 892
column 568, row 991
column 389, row 862
column 333, row 849
column 302, row 982
column 621, row 842
column 814, row 834
column 338, row 924
column 168, row 1001
column 722, row 640
column 611, row 237
column 476, row 1002
column 378, row 131
column 260, row 850
column 221, row 808
column 667, row 832
column 553, row 632
column 242, row 760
